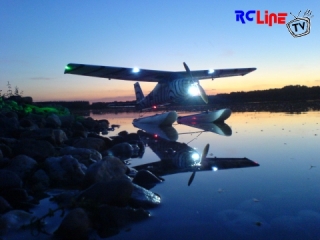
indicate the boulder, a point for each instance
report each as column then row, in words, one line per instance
column 111, row 219
column 36, row 149
column 67, row 121
column 53, row 121
column 146, row 179
column 59, row 136
column 84, row 155
column 14, row 219
column 6, row 150
column 75, row 225
column 22, row 165
column 9, row 179
column 144, row 198
column 115, row 192
column 122, row 151
column 105, row 170
column 4, row 205
column 90, row 142
column 64, row 171
column 40, row 181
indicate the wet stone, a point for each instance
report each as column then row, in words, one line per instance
column 146, row 179
column 36, row 149
column 105, row 170
column 122, row 151
column 9, row 179
column 144, row 198
column 22, row 165
column 90, row 142
column 116, row 193
column 75, row 225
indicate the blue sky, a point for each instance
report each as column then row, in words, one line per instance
column 38, row 38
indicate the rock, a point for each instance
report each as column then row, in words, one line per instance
column 8, row 126
column 123, row 133
column 135, row 150
column 64, row 171
column 17, row 197
column 94, row 143
column 88, row 123
column 84, row 155
column 144, row 198
column 59, row 136
column 117, row 140
column 40, row 181
column 66, row 121
column 28, row 124
column 146, row 179
column 105, row 170
column 22, row 165
column 4, row 162
column 4, row 205
column 111, row 219
column 36, row 149
column 6, row 150
column 46, row 134
column 53, row 121
column 75, row 225
column 122, row 151
column 9, row 180
column 14, row 219
column 66, row 199
column 102, row 125
column 107, row 140
column 37, row 119
column 115, row 192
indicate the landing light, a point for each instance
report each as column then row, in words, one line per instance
column 135, row 70
column 194, row 90
column 195, row 156
column 214, row 169
column 211, row 71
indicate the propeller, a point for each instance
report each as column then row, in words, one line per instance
column 201, row 90
column 203, row 157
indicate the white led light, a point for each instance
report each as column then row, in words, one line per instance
column 195, row 156
column 194, row 90
column 135, row 70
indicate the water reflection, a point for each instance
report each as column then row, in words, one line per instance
column 177, row 157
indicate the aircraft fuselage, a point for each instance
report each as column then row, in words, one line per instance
column 166, row 93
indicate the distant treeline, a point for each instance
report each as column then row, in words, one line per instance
column 287, row 93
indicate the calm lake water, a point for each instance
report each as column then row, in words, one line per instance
column 280, row 199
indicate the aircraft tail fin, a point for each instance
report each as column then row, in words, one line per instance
column 138, row 91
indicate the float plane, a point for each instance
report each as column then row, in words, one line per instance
column 171, row 86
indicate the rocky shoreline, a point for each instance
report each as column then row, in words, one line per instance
column 48, row 148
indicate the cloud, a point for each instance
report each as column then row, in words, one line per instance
column 41, row 78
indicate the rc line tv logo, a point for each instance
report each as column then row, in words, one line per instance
column 299, row 26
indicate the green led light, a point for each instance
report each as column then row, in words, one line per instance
column 67, row 68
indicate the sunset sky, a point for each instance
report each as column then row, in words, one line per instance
column 38, row 38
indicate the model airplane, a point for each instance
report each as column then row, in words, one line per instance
column 171, row 87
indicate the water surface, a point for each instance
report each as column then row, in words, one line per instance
column 280, row 199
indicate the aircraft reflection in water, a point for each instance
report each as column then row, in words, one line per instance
column 176, row 157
